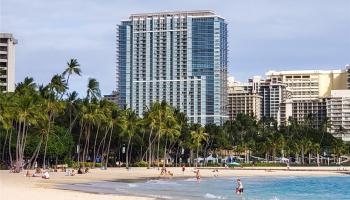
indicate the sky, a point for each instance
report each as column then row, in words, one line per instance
column 263, row 35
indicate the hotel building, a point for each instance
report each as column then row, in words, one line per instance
column 177, row 57
column 7, row 62
column 308, row 90
column 338, row 112
column 242, row 100
column 311, row 84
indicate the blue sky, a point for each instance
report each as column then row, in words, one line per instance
column 263, row 34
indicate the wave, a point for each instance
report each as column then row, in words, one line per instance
column 162, row 182
column 132, row 185
column 160, row 196
column 213, row 196
column 192, row 180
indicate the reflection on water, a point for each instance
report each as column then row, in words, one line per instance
column 255, row 188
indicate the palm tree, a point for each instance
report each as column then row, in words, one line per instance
column 93, row 90
column 169, row 129
column 25, row 113
column 198, row 136
column 71, row 106
column 73, row 67
column 317, row 148
column 129, row 125
column 151, row 120
column 58, row 86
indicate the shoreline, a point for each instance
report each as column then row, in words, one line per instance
column 36, row 188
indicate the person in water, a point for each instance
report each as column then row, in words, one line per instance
column 239, row 189
column 198, row 175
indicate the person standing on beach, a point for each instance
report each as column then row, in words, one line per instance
column 183, row 169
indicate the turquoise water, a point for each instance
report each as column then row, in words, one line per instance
column 255, row 188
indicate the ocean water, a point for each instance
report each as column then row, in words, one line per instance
column 255, row 188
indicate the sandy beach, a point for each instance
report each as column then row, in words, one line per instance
column 17, row 186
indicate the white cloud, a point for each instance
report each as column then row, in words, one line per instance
column 262, row 34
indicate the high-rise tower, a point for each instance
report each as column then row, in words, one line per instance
column 177, row 57
column 7, row 62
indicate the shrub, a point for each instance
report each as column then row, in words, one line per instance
column 86, row 164
column 212, row 165
column 140, row 164
column 263, row 165
column 68, row 161
column 3, row 166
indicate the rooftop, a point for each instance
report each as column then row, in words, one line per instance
column 172, row 13
column 270, row 73
column 8, row 36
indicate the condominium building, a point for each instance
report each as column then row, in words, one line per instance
column 338, row 112
column 7, row 62
column 242, row 100
column 177, row 57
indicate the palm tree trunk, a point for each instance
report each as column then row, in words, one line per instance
column 197, row 156
column 127, row 153
column 130, row 152
column 109, row 145
column 99, row 146
column 150, row 149
column 177, row 154
column 158, row 149
column 18, row 159
column 67, row 85
column 4, row 147
column 98, row 129
column 302, row 155
column 80, row 134
column 36, row 151
column 44, row 160
column 309, row 158
column 166, row 143
column 9, row 148
column 47, row 139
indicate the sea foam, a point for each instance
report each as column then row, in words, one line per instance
column 213, row 196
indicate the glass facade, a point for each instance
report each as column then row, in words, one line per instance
column 177, row 57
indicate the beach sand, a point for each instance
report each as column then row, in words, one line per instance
column 17, row 186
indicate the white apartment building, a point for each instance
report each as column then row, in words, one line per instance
column 338, row 112
column 7, row 62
